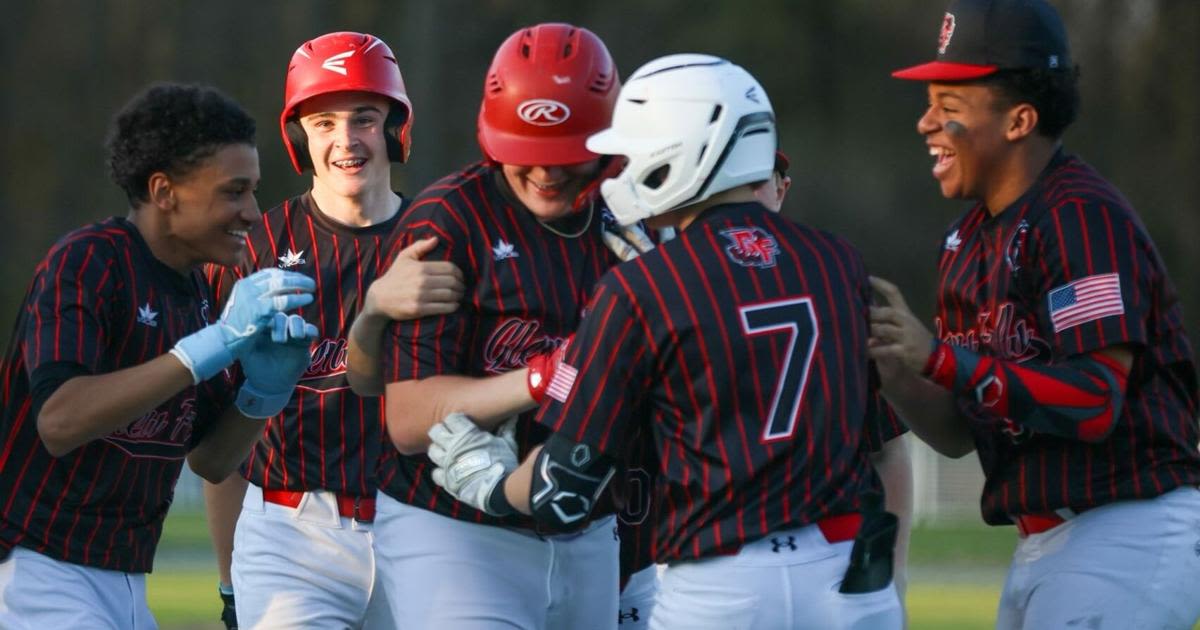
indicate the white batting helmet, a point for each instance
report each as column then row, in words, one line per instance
column 690, row 126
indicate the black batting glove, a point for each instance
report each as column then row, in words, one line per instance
column 228, row 612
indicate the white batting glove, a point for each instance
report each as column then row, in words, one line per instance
column 626, row 241
column 470, row 461
column 508, row 432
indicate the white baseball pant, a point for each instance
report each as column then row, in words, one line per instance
column 304, row 567
column 1129, row 564
column 789, row 579
column 38, row 592
column 637, row 599
column 444, row 573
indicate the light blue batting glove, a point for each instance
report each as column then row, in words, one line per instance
column 273, row 365
column 252, row 304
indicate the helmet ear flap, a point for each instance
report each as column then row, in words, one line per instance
column 298, row 140
column 397, row 134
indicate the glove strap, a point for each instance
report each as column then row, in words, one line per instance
column 203, row 353
column 497, row 503
column 256, row 404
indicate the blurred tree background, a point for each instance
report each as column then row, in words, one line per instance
column 859, row 167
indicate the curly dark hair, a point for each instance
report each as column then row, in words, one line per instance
column 172, row 128
column 1053, row 93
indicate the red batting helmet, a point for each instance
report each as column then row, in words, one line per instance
column 345, row 62
column 550, row 86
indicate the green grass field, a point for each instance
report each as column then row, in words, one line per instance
column 186, row 600
column 954, row 579
column 955, row 575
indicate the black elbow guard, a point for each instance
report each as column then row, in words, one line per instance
column 568, row 478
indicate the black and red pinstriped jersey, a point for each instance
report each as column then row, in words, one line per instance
column 996, row 278
column 327, row 437
column 635, row 520
column 526, row 286
column 741, row 347
column 100, row 302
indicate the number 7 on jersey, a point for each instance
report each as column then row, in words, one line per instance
column 798, row 319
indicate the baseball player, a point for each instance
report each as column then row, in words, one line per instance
column 346, row 117
column 526, row 231
column 115, row 372
column 739, row 348
column 1058, row 352
column 639, row 575
column 635, row 523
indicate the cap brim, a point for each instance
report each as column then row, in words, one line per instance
column 944, row 71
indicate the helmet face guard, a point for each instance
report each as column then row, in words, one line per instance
column 690, row 126
column 549, row 87
column 345, row 62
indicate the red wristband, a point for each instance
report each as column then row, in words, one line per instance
column 540, row 370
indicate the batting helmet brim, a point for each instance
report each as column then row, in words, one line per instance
column 519, row 150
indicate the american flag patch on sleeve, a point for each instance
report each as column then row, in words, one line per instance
column 564, row 379
column 1085, row 300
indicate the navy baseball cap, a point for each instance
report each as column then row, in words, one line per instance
column 981, row 37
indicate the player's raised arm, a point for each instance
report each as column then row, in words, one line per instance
column 272, row 366
column 429, row 385
column 1079, row 398
column 410, row 289
column 928, row 409
column 413, row 407
column 79, row 406
column 559, row 483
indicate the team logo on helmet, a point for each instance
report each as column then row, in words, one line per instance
column 543, row 112
column 337, row 63
column 946, row 33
